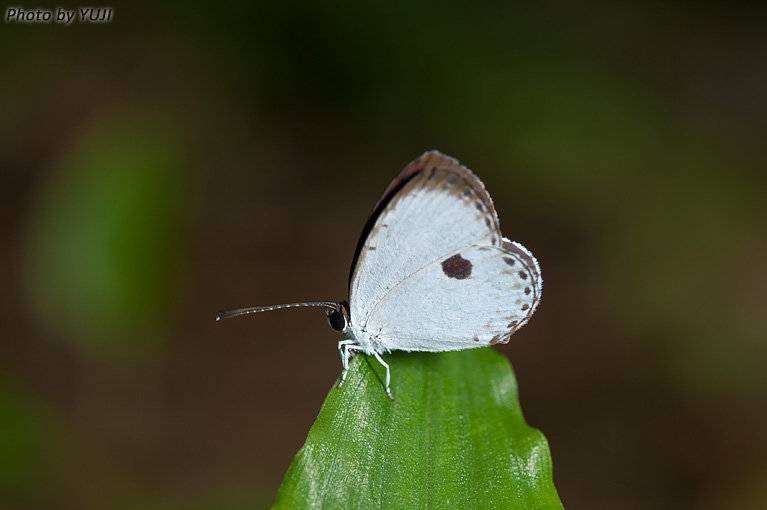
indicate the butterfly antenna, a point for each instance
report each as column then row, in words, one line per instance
column 227, row 314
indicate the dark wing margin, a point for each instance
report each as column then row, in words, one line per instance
column 402, row 178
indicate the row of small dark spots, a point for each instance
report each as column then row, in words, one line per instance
column 527, row 290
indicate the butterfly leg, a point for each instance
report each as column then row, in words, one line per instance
column 344, row 347
column 388, row 374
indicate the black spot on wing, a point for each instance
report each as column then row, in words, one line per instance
column 457, row 267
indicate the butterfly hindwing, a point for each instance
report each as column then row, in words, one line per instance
column 476, row 297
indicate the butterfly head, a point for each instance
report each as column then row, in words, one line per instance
column 338, row 317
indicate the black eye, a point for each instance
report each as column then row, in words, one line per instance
column 336, row 320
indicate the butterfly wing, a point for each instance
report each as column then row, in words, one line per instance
column 432, row 209
column 478, row 296
column 432, row 271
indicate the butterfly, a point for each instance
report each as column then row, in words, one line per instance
column 431, row 271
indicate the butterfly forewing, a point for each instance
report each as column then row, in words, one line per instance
column 477, row 296
column 440, row 209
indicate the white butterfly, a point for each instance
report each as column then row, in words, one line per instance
column 432, row 271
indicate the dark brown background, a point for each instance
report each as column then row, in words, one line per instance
column 201, row 156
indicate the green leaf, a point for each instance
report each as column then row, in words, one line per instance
column 453, row 438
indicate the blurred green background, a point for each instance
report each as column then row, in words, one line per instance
column 196, row 156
